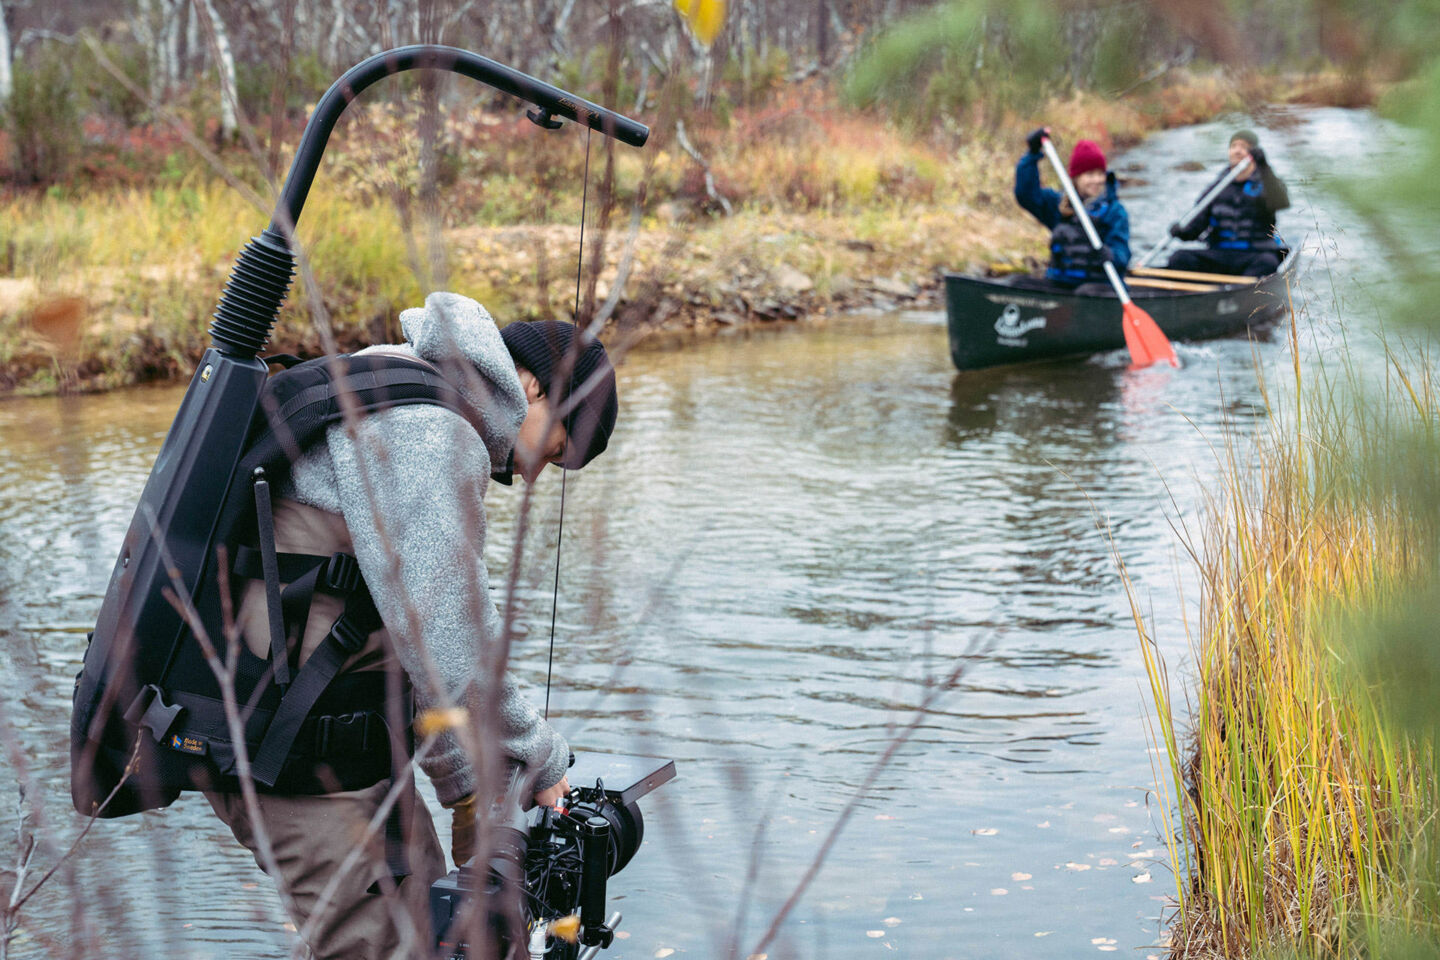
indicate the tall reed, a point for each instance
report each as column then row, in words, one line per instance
column 1303, row 807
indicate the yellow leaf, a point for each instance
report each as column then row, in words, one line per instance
column 438, row 721
column 705, row 18
column 566, row 928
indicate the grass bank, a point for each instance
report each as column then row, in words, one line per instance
column 111, row 280
column 1305, row 786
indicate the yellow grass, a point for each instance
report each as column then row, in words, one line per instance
column 1300, row 803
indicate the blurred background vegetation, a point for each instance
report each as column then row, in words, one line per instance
column 860, row 115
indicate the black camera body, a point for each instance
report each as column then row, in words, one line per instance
column 549, row 865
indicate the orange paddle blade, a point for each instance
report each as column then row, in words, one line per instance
column 1146, row 341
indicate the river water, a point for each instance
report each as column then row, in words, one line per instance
column 794, row 534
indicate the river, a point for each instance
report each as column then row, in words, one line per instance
column 793, row 534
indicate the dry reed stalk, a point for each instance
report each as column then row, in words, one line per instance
column 1296, row 799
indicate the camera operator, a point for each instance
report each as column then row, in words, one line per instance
column 403, row 493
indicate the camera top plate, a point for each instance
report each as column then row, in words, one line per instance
column 626, row 778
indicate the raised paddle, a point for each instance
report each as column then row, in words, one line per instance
column 1144, row 338
column 1205, row 201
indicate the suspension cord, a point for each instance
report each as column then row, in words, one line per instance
column 560, row 525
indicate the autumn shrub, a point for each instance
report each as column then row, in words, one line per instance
column 42, row 118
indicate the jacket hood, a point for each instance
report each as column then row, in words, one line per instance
column 458, row 336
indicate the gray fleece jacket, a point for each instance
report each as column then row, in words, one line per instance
column 410, row 486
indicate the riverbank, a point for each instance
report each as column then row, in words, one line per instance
column 831, row 211
column 1303, row 788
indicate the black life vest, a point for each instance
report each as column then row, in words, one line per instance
column 148, row 719
column 1072, row 258
column 1240, row 219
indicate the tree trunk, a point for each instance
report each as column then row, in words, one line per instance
column 172, row 32
column 7, row 83
column 225, row 63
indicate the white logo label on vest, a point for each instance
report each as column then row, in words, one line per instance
column 1010, row 330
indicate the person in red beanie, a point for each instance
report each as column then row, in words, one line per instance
column 1073, row 261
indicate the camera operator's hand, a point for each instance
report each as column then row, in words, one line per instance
column 1257, row 156
column 1033, row 141
column 462, row 828
column 552, row 795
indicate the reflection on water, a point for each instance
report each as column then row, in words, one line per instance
column 792, row 537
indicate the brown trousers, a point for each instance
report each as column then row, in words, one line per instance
column 311, row 838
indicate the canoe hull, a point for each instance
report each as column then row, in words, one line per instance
column 992, row 323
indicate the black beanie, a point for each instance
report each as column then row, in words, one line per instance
column 542, row 347
column 1249, row 136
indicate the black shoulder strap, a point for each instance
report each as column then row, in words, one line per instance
column 299, row 404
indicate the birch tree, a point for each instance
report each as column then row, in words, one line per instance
column 7, row 82
column 225, row 63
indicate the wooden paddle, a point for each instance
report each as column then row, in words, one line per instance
column 1205, row 201
column 1222, row 278
column 1159, row 283
column 1144, row 338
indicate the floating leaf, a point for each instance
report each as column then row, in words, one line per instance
column 874, row 934
column 891, row 921
column 999, row 892
column 1018, row 877
column 1141, row 877
column 985, row 832
column 664, row 952
column 1072, row 865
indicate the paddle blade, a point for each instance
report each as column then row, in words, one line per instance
column 1146, row 341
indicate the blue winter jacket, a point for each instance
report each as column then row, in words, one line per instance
column 1108, row 214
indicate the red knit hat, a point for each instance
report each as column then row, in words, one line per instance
column 1086, row 156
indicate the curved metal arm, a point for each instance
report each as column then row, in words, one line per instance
column 257, row 287
column 550, row 100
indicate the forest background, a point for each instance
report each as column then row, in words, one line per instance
column 807, row 156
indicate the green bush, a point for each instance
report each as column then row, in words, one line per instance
column 101, row 92
column 43, row 118
column 962, row 56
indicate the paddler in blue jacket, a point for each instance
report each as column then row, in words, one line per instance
column 1239, row 224
column 1073, row 261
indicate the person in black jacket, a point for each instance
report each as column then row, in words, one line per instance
column 1239, row 225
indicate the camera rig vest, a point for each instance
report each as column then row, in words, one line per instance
column 149, row 718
